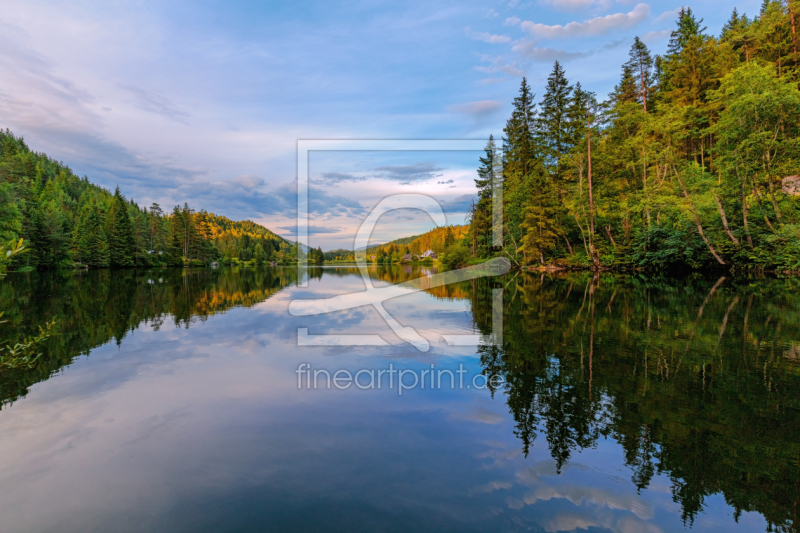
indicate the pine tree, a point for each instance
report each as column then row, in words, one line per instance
column 481, row 215
column 579, row 103
column 626, row 90
column 688, row 27
column 552, row 119
column 541, row 221
column 519, row 143
column 641, row 66
column 89, row 244
column 733, row 24
column 521, row 157
column 449, row 239
column 689, row 30
column 486, row 170
column 119, row 230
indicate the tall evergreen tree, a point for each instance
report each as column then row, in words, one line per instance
column 551, row 124
column 689, row 30
column 519, row 147
column 541, row 221
column 579, row 103
column 481, row 215
column 521, row 158
column 89, row 244
column 626, row 90
column 641, row 66
column 121, row 243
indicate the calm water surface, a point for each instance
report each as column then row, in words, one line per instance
column 169, row 401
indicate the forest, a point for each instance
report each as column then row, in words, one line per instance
column 66, row 221
column 691, row 162
column 438, row 240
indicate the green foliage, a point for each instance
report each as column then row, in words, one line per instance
column 89, row 241
column 121, row 244
column 315, row 256
column 44, row 202
column 7, row 252
column 683, row 166
column 25, row 353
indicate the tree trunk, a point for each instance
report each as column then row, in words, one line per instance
column 760, row 205
column 593, row 252
column 725, row 221
column 744, row 217
column 608, row 230
column 697, row 220
column 794, row 35
column 569, row 246
column 774, row 203
column 644, row 93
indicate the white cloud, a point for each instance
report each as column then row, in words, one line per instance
column 248, row 181
column 498, row 64
column 512, row 21
column 486, row 37
column 652, row 36
column 577, row 5
column 595, row 26
column 511, row 70
column 668, row 16
column 491, row 13
column 481, row 107
column 530, row 50
column 491, row 81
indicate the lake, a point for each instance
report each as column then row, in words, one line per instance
column 177, row 400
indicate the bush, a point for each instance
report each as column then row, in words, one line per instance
column 456, row 255
column 669, row 247
column 784, row 246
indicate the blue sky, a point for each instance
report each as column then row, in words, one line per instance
column 204, row 101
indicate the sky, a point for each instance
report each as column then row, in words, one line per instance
column 204, row 102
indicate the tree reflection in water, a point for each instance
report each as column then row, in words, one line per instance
column 696, row 378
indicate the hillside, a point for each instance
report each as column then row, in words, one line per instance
column 66, row 221
column 437, row 239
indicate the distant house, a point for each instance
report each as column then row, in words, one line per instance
column 431, row 254
column 408, row 257
column 372, row 257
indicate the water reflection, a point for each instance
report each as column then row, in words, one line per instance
column 95, row 307
column 634, row 403
column 695, row 378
